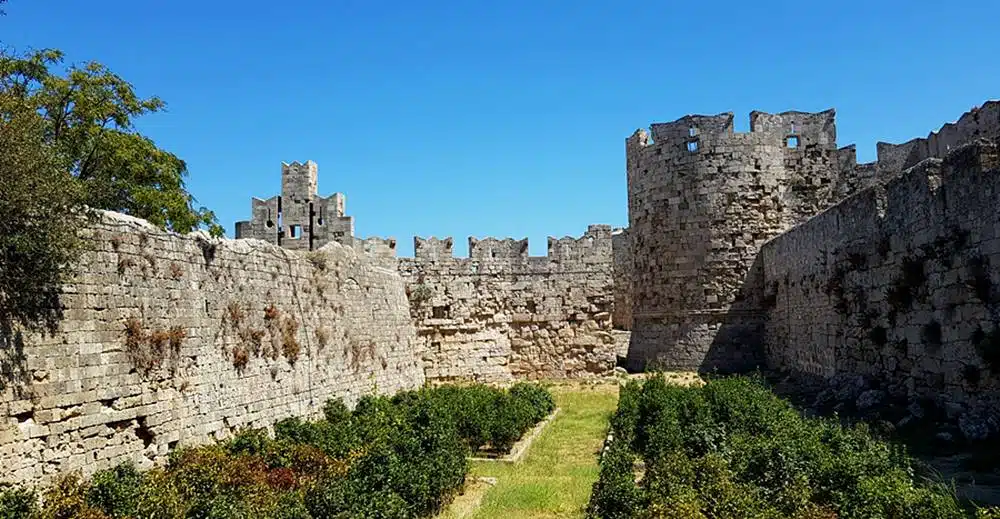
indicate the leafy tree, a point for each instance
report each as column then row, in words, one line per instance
column 88, row 115
column 40, row 208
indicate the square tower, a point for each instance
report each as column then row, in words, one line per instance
column 299, row 218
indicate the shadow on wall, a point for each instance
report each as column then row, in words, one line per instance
column 13, row 362
column 34, row 307
column 738, row 345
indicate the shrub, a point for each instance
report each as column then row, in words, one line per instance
column 68, row 498
column 335, row 410
column 399, row 457
column 248, row 441
column 116, row 491
column 17, row 502
column 734, row 449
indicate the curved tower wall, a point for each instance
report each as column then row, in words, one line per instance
column 702, row 200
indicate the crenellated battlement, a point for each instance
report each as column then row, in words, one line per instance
column 498, row 248
column 595, row 241
column 433, row 248
column 299, row 218
column 500, row 312
column 376, row 247
column 980, row 122
column 792, row 130
column 704, row 200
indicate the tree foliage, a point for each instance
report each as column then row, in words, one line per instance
column 88, row 116
column 40, row 204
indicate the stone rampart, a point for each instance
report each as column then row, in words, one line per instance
column 169, row 340
column 702, row 200
column 982, row 122
column 899, row 282
column 621, row 317
column 501, row 314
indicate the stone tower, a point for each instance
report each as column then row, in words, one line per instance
column 299, row 218
column 702, row 200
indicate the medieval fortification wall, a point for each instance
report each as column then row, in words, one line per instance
column 702, row 202
column 899, row 282
column 169, row 339
column 500, row 314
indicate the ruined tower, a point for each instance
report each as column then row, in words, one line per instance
column 702, row 200
column 299, row 218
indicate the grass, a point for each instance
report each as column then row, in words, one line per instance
column 557, row 473
column 555, row 476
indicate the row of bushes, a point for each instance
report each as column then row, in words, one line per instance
column 391, row 457
column 732, row 449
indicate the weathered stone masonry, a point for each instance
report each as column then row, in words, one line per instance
column 495, row 315
column 169, row 339
column 298, row 218
column 899, row 282
column 702, row 200
column 501, row 314
column 896, row 281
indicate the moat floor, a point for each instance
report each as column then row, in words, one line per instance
column 555, row 476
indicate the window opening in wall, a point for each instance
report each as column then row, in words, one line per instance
column 693, row 146
column 269, row 223
column 793, row 128
column 532, row 307
column 295, row 231
column 319, row 221
column 440, row 312
column 692, row 131
column 793, row 141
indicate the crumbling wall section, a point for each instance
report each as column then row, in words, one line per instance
column 170, row 340
column 899, row 282
column 501, row 314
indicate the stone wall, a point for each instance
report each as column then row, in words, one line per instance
column 982, row 122
column 500, row 314
column 899, row 282
column 168, row 339
column 298, row 218
column 621, row 317
column 702, row 200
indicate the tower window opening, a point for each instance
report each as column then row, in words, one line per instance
column 295, row 231
column 692, row 131
column 793, row 141
column 793, row 128
column 692, row 146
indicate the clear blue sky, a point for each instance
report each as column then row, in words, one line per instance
column 503, row 118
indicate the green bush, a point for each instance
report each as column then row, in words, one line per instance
column 116, row 491
column 399, row 457
column 491, row 417
column 16, row 502
column 733, row 449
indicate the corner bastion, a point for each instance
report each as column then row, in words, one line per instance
column 702, row 200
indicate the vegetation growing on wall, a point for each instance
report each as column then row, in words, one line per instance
column 732, row 449
column 152, row 349
column 391, row 457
